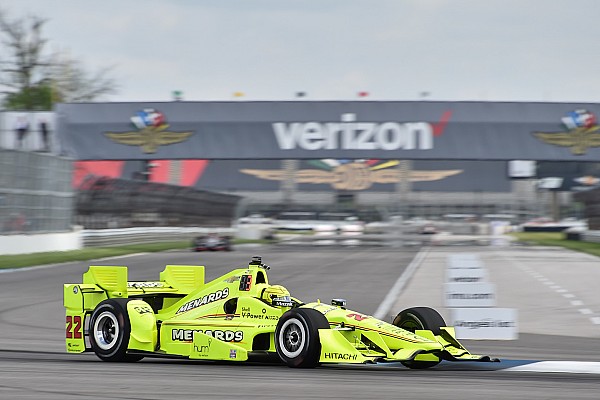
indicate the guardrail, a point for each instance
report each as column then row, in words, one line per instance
column 590, row 236
column 125, row 236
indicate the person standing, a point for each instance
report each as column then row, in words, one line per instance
column 21, row 129
column 45, row 135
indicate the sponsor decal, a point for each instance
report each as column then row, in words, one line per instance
column 232, row 279
column 151, row 132
column 209, row 298
column 340, row 356
column 328, row 310
column 284, row 301
column 581, row 132
column 352, row 174
column 351, row 134
column 143, row 309
column 187, row 335
column 247, row 313
column 145, row 284
column 232, row 353
column 203, row 348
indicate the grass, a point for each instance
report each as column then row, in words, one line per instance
column 92, row 253
column 88, row 253
column 557, row 239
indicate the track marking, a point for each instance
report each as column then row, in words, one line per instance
column 552, row 285
column 574, row 367
column 394, row 292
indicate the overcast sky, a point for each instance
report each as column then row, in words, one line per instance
column 523, row 50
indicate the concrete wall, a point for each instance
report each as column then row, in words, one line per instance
column 29, row 243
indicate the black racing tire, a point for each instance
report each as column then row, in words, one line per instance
column 297, row 337
column 417, row 318
column 109, row 331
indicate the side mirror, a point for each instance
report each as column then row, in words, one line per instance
column 341, row 303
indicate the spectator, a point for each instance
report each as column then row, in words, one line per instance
column 21, row 129
column 45, row 136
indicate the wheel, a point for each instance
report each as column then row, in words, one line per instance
column 297, row 337
column 416, row 318
column 110, row 330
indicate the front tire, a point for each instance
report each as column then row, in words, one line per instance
column 419, row 318
column 297, row 337
column 110, row 330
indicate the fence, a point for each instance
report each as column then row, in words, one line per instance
column 35, row 192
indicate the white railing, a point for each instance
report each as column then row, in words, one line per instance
column 125, row 236
column 590, row 236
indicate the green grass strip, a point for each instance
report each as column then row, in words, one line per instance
column 88, row 253
column 92, row 253
column 557, row 239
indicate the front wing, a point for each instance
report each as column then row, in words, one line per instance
column 343, row 346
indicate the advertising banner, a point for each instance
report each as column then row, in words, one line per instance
column 469, row 294
column 465, row 275
column 485, row 323
column 330, row 130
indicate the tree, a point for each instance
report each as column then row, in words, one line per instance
column 32, row 79
column 72, row 83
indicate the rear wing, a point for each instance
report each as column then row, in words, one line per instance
column 103, row 282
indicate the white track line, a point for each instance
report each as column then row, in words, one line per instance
column 573, row 367
column 394, row 292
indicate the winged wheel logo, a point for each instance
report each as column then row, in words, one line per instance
column 152, row 132
column 582, row 132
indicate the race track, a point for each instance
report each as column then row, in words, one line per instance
column 34, row 365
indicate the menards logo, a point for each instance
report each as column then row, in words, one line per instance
column 350, row 134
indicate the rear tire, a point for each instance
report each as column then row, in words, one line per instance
column 109, row 331
column 418, row 318
column 297, row 337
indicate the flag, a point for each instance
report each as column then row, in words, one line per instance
column 363, row 94
column 238, row 94
column 300, row 94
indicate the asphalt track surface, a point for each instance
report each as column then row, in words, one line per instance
column 34, row 365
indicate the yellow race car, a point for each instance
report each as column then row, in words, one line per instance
column 240, row 315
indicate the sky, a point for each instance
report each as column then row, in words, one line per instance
column 490, row 50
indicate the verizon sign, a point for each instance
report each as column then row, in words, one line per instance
column 350, row 134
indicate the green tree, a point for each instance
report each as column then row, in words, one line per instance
column 33, row 98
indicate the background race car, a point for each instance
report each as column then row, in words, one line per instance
column 212, row 242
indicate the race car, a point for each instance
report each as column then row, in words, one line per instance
column 237, row 316
column 212, row 242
